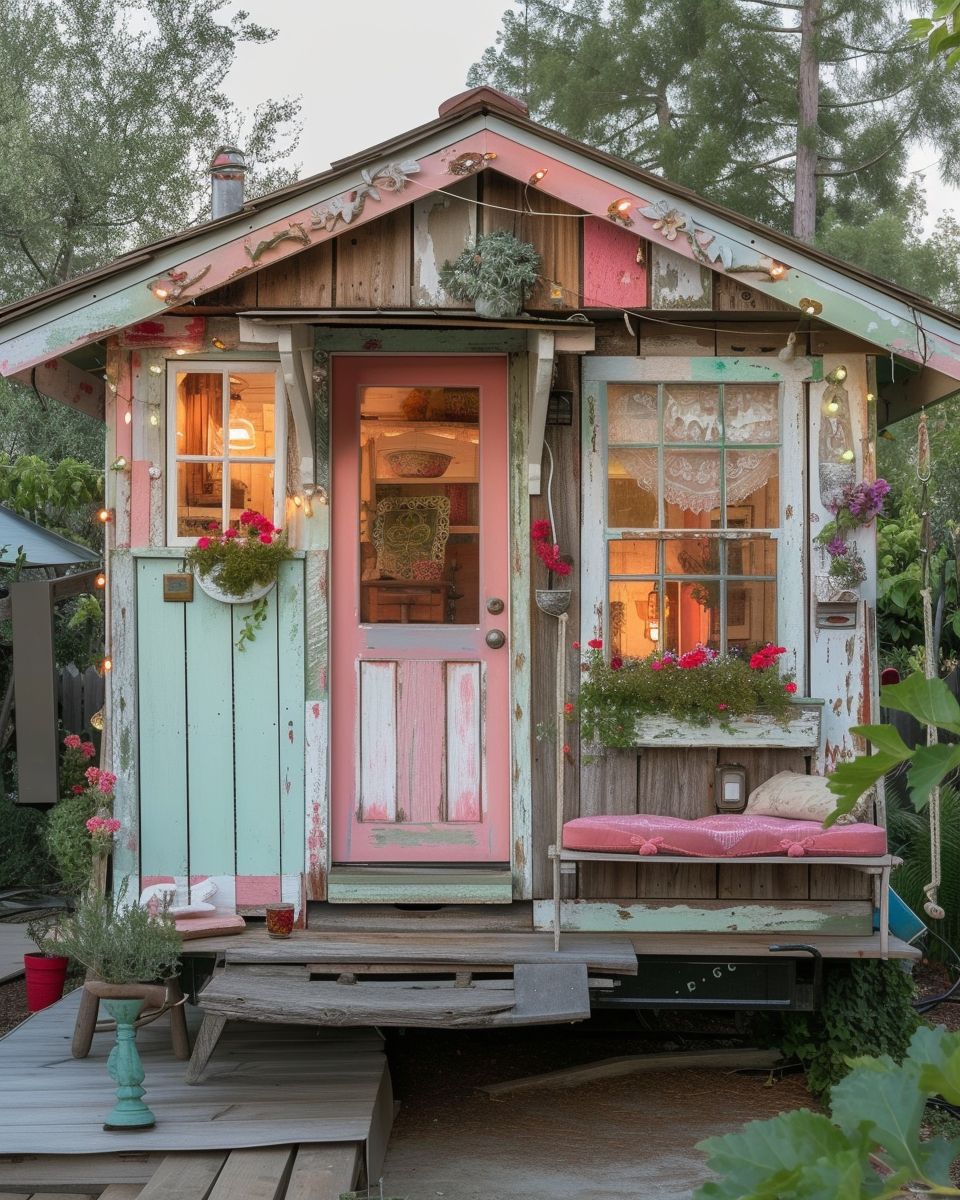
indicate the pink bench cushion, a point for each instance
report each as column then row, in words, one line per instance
column 726, row 835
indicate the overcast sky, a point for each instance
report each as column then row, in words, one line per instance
column 370, row 69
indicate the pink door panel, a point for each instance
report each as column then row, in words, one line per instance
column 420, row 713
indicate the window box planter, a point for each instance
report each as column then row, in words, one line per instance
column 802, row 730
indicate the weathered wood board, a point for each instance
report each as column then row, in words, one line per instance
column 678, row 283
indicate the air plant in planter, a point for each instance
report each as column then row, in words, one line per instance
column 497, row 273
column 128, row 952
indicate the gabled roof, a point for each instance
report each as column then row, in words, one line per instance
column 494, row 129
column 41, row 547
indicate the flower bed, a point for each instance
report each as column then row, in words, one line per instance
column 670, row 697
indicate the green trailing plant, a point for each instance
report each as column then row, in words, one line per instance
column 238, row 560
column 117, row 942
column 928, row 701
column 869, row 1145
column 498, row 269
column 909, row 837
column 68, row 841
column 24, row 858
column 699, row 686
column 866, row 1009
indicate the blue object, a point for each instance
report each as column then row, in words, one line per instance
column 904, row 922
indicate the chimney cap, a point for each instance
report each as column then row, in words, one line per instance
column 488, row 97
column 228, row 158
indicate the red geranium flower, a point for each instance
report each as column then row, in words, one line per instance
column 203, row 543
column 540, row 530
column 231, row 533
column 791, row 688
column 266, row 538
column 616, row 663
column 692, row 658
column 595, row 643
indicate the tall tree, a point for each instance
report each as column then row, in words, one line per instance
column 780, row 109
column 109, row 111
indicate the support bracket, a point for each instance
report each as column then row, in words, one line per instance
column 295, row 346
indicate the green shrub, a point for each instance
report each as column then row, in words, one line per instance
column 69, row 843
column 910, row 839
column 24, row 860
column 867, row 1009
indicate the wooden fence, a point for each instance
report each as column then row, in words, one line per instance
column 80, row 695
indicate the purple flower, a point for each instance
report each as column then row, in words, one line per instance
column 836, row 547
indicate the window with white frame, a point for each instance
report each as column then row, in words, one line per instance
column 226, row 445
column 692, row 514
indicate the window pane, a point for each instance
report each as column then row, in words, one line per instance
column 631, row 413
column 753, row 489
column 251, row 486
column 199, row 492
column 752, row 556
column 199, row 413
column 751, row 615
column 691, row 412
column 692, row 556
column 751, row 412
column 252, row 414
column 632, row 489
column 691, row 488
column 633, row 557
column 634, row 619
column 691, row 615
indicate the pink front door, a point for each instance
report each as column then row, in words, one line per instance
column 420, row 570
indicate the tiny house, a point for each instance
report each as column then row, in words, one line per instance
column 681, row 396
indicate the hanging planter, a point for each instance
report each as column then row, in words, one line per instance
column 497, row 273
column 240, row 566
column 552, row 600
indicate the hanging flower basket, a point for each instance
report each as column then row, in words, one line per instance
column 497, row 273
column 210, row 586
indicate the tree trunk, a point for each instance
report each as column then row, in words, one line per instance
column 808, row 102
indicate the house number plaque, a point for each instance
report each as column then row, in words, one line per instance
column 178, row 587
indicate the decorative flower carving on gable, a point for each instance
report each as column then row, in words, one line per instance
column 390, row 178
column 667, row 220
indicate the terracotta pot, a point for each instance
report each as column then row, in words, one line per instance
column 45, row 979
column 153, row 993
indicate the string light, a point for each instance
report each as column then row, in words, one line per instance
column 156, row 368
column 127, row 417
column 218, row 343
column 119, row 463
column 832, row 407
column 618, row 210
column 106, row 665
column 154, row 418
column 298, row 501
column 180, row 351
column 104, row 516
column 848, row 456
column 837, row 375
column 160, row 291
column 100, row 581
column 812, row 308
column 776, row 270
column 870, row 397
column 537, row 176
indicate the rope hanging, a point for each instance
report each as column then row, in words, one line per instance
column 931, row 907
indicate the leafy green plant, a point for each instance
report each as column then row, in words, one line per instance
column 869, row 1145
column 69, row 843
column 699, row 686
column 238, row 560
column 24, row 860
column 117, row 942
column 942, row 33
column 498, row 269
column 866, row 1009
column 928, row 701
column 910, row 839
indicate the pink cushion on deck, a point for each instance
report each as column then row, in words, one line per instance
column 727, row 835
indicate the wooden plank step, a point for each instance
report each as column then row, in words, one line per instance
column 185, row 1176
column 254, row 1174
column 425, row 885
column 323, row 1172
column 239, row 996
column 609, row 955
column 29, row 1173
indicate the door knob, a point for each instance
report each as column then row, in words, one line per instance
column 495, row 605
column 496, row 638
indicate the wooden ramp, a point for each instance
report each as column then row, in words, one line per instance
column 268, row 1086
column 309, row 1172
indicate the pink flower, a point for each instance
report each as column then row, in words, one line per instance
column 266, row 526
column 92, row 774
column 203, row 543
column 657, row 665
column 721, row 707
column 790, row 688
column 231, row 534
column 575, row 645
column 616, row 663
column 213, row 524
column 88, row 749
column 540, row 531
column 72, row 741
column 112, row 825
column 246, row 517
column 266, row 539
column 692, row 658
column 106, row 782
column 95, row 824
column 77, row 789
column 595, row 643
column 566, row 748
column 568, row 707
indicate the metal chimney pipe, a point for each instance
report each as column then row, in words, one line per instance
column 227, row 172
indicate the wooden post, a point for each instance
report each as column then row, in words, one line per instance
column 35, row 691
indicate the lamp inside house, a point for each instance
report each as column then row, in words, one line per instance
column 241, row 434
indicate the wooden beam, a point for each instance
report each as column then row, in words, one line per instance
column 323, row 1172
column 60, row 380
column 185, row 1176
column 74, row 585
column 911, row 392
column 35, row 694
column 541, row 349
column 775, row 917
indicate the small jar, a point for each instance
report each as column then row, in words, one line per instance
column 279, row 920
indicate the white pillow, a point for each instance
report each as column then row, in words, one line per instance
column 799, row 798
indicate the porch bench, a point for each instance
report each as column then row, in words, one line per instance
column 724, row 839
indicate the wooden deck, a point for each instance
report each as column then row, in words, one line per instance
column 14, row 944
column 266, row 1086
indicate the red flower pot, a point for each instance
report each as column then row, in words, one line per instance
column 45, row 979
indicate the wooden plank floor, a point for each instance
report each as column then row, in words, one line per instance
column 14, row 944
column 306, row 1172
column 266, row 1085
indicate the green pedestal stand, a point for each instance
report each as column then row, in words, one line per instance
column 126, row 1069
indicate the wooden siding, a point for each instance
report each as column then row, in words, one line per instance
column 221, row 743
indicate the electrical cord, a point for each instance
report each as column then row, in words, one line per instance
column 927, row 1003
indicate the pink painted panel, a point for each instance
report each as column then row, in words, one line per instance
column 434, row 828
column 378, row 741
column 255, row 890
column 464, row 741
column 140, row 502
column 421, row 782
column 612, row 277
column 166, row 330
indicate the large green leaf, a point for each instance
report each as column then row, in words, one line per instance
column 930, row 766
column 937, row 1053
column 928, row 701
column 851, row 779
column 769, row 1158
column 883, row 1101
column 885, row 738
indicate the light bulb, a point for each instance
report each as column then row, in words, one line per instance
column 218, row 343
column 119, row 463
column 870, row 397
column 537, row 176
column 777, row 270
column 847, row 456
column 106, row 665
column 104, row 516
column 160, row 291
column 833, row 407
column 101, row 580
column 154, row 418
column 156, row 368
column 180, row 351
column 837, row 375
column 127, row 417
column 810, row 308
column 298, row 501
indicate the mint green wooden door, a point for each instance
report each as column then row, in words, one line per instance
column 221, row 741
